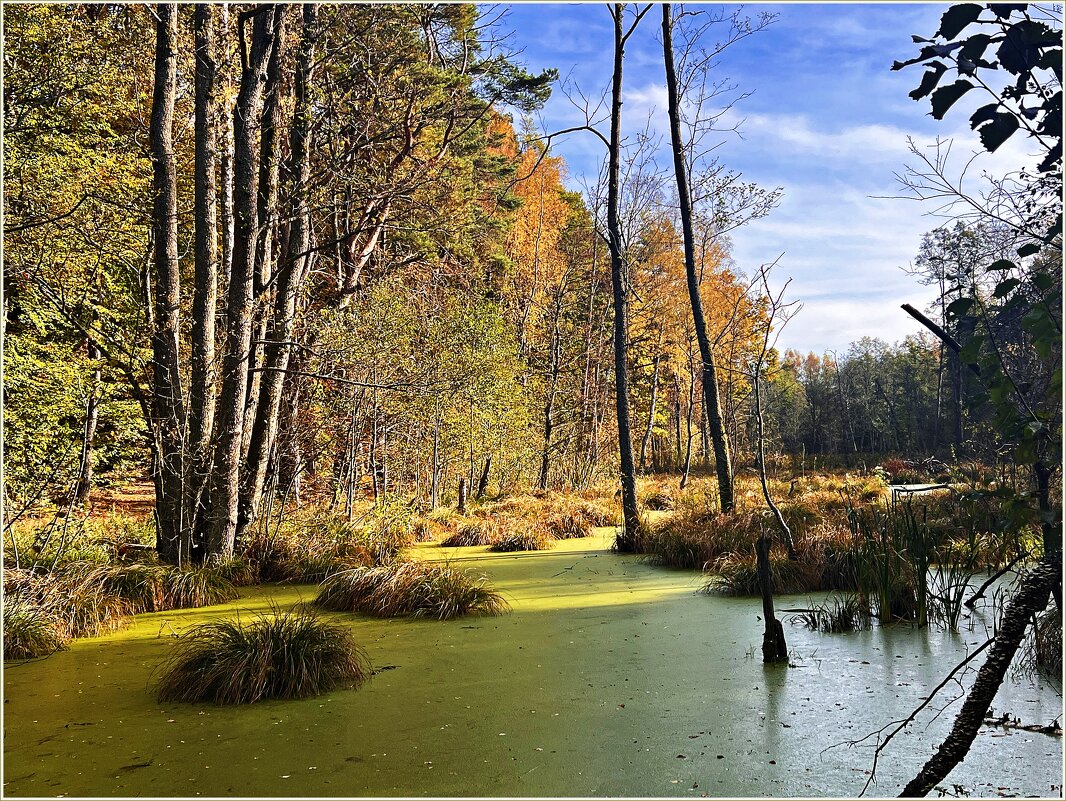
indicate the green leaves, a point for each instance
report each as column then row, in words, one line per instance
column 959, row 308
column 946, row 96
column 932, row 77
column 957, row 18
column 997, row 131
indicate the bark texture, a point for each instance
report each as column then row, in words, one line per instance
column 168, row 407
column 626, row 540
column 712, row 401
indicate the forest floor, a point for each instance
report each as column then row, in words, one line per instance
column 610, row 676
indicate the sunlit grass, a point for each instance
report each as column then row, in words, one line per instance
column 279, row 655
column 416, row 589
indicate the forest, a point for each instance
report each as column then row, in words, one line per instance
column 338, row 397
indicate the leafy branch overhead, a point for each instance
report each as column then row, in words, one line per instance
column 1011, row 50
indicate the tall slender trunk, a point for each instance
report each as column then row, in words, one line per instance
column 264, row 280
column 92, row 418
column 168, row 404
column 626, row 539
column 247, row 117
column 554, row 366
column 205, row 281
column 719, row 437
column 760, row 464
column 688, row 419
column 646, row 441
column 291, row 273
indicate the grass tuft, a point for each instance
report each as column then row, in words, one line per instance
column 154, row 587
column 417, row 589
column 275, row 656
column 569, row 525
column 31, row 632
column 475, row 532
column 532, row 538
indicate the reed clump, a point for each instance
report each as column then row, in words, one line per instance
column 279, row 655
column 415, row 589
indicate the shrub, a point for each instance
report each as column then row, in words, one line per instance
column 278, row 655
column 569, row 525
column 30, row 631
column 476, row 532
column 532, row 538
column 418, row 589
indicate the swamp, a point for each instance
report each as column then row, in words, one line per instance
column 532, row 400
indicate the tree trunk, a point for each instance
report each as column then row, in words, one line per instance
column 626, row 540
column 1030, row 600
column 264, row 280
column 483, row 483
column 205, row 268
column 646, row 441
column 461, row 504
column 290, row 276
column 773, row 638
column 247, row 118
column 552, row 389
column 760, row 464
column 688, row 422
column 719, row 437
column 92, row 417
column 168, row 405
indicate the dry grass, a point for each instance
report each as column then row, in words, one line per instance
column 280, row 655
column 30, row 631
column 533, row 537
column 569, row 525
column 152, row 587
column 82, row 608
column 416, row 589
column 473, row 532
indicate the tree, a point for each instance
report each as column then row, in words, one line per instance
column 1027, row 415
column 173, row 540
column 749, row 203
column 627, row 539
column 247, row 119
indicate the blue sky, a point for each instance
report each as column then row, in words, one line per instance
column 827, row 121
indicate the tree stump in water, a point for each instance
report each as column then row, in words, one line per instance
column 773, row 638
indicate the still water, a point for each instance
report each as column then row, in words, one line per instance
column 609, row 677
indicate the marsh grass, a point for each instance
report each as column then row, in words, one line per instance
column 534, row 537
column 694, row 538
column 658, row 501
column 153, row 587
column 280, row 655
column 415, row 589
column 82, row 608
column 569, row 525
column 837, row 615
column 474, row 532
column 31, row 632
column 738, row 574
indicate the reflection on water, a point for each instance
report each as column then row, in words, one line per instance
column 610, row 677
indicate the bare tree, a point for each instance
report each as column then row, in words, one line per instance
column 689, row 81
